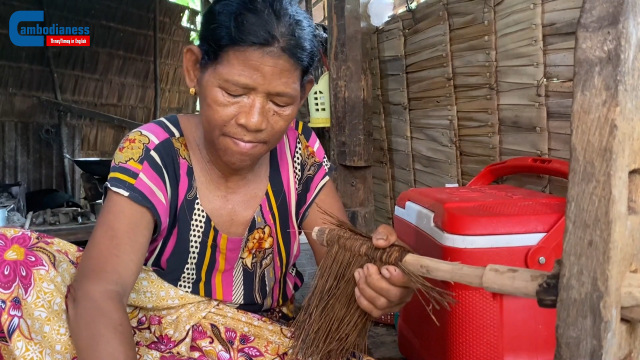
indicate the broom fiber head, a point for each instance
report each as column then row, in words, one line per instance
column 331, row 325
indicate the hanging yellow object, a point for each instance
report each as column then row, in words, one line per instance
column 319, row 103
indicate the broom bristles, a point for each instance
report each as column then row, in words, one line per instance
column 331, row 325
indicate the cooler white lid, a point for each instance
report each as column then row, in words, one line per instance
column 423, row 219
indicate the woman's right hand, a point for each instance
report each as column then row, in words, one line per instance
column 110, row 265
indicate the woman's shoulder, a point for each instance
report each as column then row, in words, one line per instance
column 159, row 130
column 300, row 136
column 149, row 138
column 306, row 148
column 300, row 129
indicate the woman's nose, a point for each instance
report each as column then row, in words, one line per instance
column 253, row 118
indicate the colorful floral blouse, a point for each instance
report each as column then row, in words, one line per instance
column 152, row 167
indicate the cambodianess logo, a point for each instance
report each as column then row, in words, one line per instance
column 25, row 30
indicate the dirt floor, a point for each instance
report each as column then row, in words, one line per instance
column 383, row 343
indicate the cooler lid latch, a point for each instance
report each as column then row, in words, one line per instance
column 543, row 255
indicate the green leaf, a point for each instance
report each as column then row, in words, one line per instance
column 181, row 2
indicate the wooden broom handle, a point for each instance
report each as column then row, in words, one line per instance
column 498, row 279
column 493, row 278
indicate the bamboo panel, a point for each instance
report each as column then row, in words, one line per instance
column 521, row 91
column 559, row 21
column 382, row 192
column 432, row 101
column 473, row 52
column 395, row 102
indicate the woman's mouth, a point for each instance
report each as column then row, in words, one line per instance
column 245, row 145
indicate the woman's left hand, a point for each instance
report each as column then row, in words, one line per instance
column 385, row 290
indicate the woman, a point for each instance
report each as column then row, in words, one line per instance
column 193, row 256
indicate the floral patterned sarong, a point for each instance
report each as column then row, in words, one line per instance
column 167, row 323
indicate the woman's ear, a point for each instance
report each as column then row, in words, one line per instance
column 308, row 84
column 191, row 65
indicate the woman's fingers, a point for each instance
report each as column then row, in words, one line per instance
column 366, row 305
column 384, row 236
column 379, row 294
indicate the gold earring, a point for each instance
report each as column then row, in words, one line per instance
column 192, row 91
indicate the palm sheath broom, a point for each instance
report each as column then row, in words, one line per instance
column 331, row 325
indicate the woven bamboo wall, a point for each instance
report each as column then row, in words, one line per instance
column 487, row 80
column 559, row 21
column 396, row 128
column 432, row 102
column 473, row 49
column 382, row 189
column 522, row 112
column 114, row 75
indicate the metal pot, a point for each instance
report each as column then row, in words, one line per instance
column 98, row 167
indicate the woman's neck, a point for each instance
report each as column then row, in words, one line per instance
column 227, row 174
column 216, row 166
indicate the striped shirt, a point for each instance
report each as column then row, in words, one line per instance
column 256, row 272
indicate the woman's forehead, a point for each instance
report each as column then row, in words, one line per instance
column 249, row 67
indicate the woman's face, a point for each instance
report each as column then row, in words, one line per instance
column 248, row 99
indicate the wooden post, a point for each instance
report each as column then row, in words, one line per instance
column 602, row 235
column 351, row 131
column 62, row 118
column 156, row 60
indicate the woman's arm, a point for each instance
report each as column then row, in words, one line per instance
column 329, row 200
column 378, row 291
column 110, row 266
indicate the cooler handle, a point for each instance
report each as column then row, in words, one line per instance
column 521, row 165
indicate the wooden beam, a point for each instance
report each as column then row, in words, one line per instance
column 603, row 206
column 351, row 128
column 80, row 111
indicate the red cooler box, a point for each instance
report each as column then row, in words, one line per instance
column 482, row 224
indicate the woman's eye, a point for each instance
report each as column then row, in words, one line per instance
column 280, row 105
column 233, row 95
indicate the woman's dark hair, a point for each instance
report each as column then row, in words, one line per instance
column 279, row 24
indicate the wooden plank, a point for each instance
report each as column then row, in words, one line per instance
column 393, row 47
column 71, row 233
column 558, row 73
column 434, row 151
column 521, row 115
column 392, row 65
column 351, row 99
column 556, row 5
column 442, row 167
column 430, row 179
column 424, row 25
column 559, row 127
column 601, row 242
column 527, row 141
column 398, row 128
column 482, row 42
column 438, row 32
column 521, row 94
column 88, row 113
column 510, row 7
